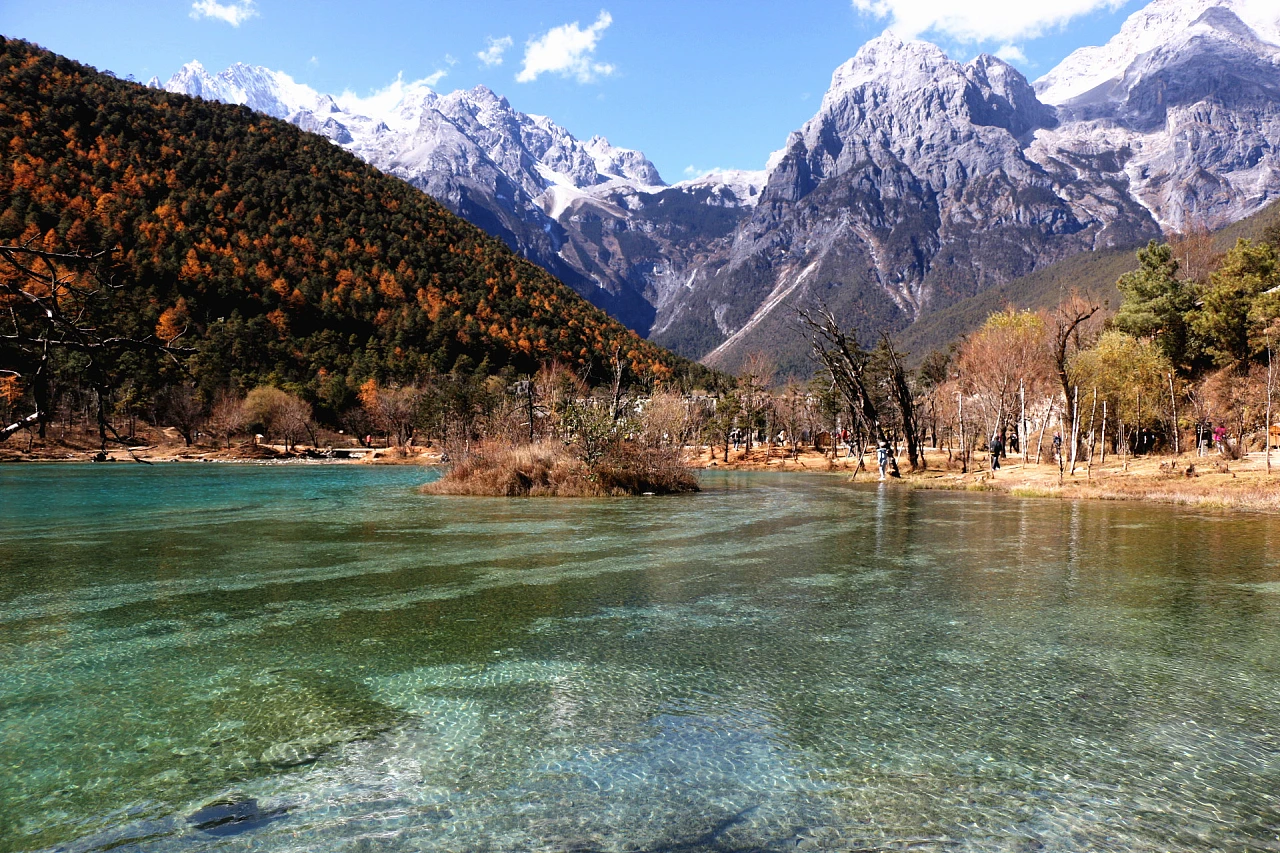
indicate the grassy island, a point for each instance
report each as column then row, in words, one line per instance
column 552, row 469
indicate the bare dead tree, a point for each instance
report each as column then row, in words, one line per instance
column 1068, row 320
column 900, row 391
column 615, row 385
column 846, row 362
column 183, row 410
column 754, row 379
column 54, row 303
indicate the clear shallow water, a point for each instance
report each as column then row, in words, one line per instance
column 778, row 663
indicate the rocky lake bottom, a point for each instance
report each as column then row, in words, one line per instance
column 238, row 657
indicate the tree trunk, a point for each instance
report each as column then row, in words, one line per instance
column 905, row 403
column 1022, row 420
column 1075, row 428
column 1103, row 461
column 1093, row 437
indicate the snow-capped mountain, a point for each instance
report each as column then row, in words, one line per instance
column 521, row 177
column 911, row 188
column 1189, row 94
column 1146, row 30
column 920, row 180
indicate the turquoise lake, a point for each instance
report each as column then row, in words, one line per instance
column 320, row 658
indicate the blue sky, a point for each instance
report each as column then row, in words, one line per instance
column 695, row 84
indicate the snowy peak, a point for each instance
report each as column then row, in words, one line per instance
column 623, row 163
column 415, row 131
column 920, row 84
column 890, row 61
column 738, row 187
column 1152, row 27
column 272, row 92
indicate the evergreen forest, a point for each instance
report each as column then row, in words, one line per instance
column 152, row 241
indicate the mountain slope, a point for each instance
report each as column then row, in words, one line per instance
column 922, row 182
column 284, row 258
column 919, row 183
column 566, row 204
column 1093, row 273
column 1188, row 95
column 909, row 190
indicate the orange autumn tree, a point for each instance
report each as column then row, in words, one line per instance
column 393, row 410
column 273, row 254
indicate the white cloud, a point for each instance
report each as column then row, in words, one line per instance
column 566, row 50
column 492, row 55
column 692, row 172
column 314, row 60
column 383, row 101
column 234, row 13
column 990, row 20
column 1012, row 53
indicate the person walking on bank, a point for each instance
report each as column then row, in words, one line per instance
column 882, row 457
column 996, row 447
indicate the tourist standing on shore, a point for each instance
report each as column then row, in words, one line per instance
column 882, row 457
column 996, row 447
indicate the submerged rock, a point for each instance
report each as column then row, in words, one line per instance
column 290, row 754
column 232, row 814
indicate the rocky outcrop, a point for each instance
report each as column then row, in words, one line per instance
column 920, row 181
column 578, row 209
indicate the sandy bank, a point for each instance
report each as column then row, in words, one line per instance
column 1187, row 480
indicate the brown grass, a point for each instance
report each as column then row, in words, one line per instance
column 1208, row 482
column 1211, row 483
column 552, row 470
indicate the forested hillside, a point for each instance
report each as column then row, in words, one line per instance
column 1092, row 273
column 235, row 249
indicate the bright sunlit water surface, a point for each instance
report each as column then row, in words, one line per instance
column 321, row 658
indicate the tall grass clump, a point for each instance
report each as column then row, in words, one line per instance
column 553, row 469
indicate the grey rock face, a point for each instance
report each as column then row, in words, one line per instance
column 911, row 188
column 919, row 181
column 1195, row 120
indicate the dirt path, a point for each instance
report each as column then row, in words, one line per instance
column 1209, row 481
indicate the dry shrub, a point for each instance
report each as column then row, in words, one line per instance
column 526, row 470
column 552, row 470
column 628, row 468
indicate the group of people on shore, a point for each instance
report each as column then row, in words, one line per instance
column 1143, row 441
column 1005, row 442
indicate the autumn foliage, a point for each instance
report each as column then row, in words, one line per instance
column 278, row 257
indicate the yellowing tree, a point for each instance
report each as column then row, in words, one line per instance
column 1131, row 375
column 1007, row 356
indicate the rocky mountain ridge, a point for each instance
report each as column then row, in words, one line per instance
column 521, row 177
column 1189, row 94
column 920, row 181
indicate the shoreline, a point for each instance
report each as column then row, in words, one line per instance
column 1204, row 482
column 255, row 455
